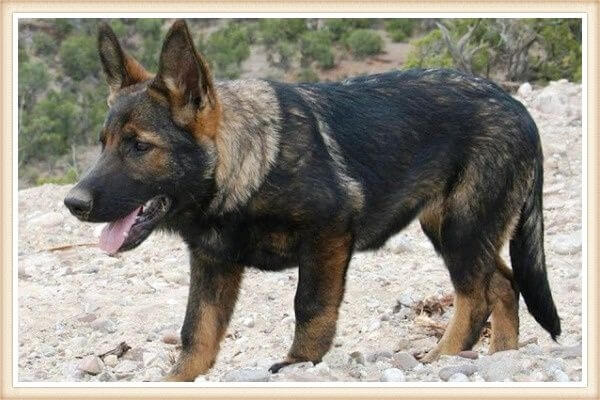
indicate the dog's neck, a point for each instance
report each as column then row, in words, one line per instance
column 247, row 141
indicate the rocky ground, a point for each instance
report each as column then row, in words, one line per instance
column 76, row 303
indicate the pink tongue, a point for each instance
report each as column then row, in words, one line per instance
column 113, row 235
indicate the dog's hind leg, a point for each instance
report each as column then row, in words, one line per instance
column 504, row 298
column 322, row 272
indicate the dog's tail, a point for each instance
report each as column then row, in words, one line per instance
column 528, row 259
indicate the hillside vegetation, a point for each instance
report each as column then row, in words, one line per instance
column 62, row 95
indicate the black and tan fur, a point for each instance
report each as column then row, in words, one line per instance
column 272, row 175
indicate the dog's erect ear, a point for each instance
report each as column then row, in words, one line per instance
column 120, row 68
column 184, row 77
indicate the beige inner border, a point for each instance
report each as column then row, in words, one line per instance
column 9, row 7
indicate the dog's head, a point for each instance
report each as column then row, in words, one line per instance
column 157, row 141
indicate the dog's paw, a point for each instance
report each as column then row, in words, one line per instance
column 277, row 366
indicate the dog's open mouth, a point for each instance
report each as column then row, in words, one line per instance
column 128, row 232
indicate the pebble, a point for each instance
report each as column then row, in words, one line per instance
column 47, row 350
column 111, row 360
column 404, row 361
column 288, row 320
column 559, row 376
column 247, row 375
column 48, row 220
column 248, row 322
column 106, row 377
column 357, row 357
column 104, row 325
column 473, row 355
column 499, row 366
column 22, row 272
column 170, row 337
column 525, row 90
column 567, row 351
column 91, row 364
column 458, row 377
column 374, row 357
column 148, row 358
column 567, row 244
column 393, row 375
column 465, row 369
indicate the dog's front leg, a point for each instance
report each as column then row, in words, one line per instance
column 322, row 273
column 214, row 288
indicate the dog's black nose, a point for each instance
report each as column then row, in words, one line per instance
column 79, row 202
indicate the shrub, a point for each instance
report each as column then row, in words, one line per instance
column 339, row 28
column 399, row 28
column 43, row 44
column 316, row 46
column 33, row 79
column 70, row 176
column 429, row 52
column 78, row 57
column 307, row 75
column 364, row 42
column 226, row 49
column 273, row 30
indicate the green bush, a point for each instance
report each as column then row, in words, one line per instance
column 273, row 30
column 70, row 176
column 43, row 44
column 399, row 28
column 33, row 79
column 364, row 42
column 226, row 49
column 429, row 52
column 79, row 57
column 307, row 75
column 340, row 28
column 561, row 41
column 316, row 46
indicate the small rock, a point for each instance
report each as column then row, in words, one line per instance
column 111, row 360
column 404, row 361
column 458, row 377
column 126, row 366
column 559, row 376
column 357, row 357
column 47, row 350
column 22, row 272
column 106, row 377
column 499, row 366
column 248, row 322
column 170, row 337
column 567, row 244
column 91, row 364
column 525, row 90
column 104, row 325
column 473, row 355
column 567, row 351
column 374, row 357
column 373, row 326
column 148, row 358
column 247, row 375
column 49, row 220
column 393, row 375
column 200, row 378
column 87, row 317
column 288, row 320
column 465, row 369
column 402, row 344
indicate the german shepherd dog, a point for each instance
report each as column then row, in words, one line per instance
column 272, row 175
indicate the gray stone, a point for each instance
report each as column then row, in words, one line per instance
column 148, row 358
column 525, row 90
column 48, row 220
column 247, row 375
column 111, row 360
column 393, row 375
column 357, row 357
column 248, row 322
column 559, row 376
column 404, row 361
column 374, row 357
column 47, row 350
column 106, row 377
column 470, row 354
column 465, row 369
column 170, row 337
column 458, row 377
column 104, row 325
column 91, row 364
column 567, row 244
column 567, row 351
column 499, row 366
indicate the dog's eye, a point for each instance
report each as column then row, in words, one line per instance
column 141, row 146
